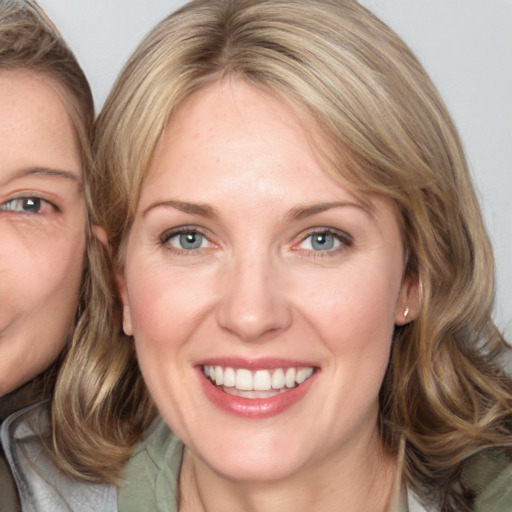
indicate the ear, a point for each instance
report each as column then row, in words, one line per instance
column 409, row 302
column 100, row 233
column 123, row 294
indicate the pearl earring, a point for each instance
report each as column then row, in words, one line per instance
column 406, row 312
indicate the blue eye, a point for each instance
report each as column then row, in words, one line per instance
column 190, row 240
column 324, row 240
column 26, row 205
column 186, row 240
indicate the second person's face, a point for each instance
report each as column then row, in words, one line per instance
column 42, row 226
column 261, row 293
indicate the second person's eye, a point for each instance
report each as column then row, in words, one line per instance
column 27, row 205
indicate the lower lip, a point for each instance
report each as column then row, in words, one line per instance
column 255, row 408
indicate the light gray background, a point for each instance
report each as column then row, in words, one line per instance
column 466, row 46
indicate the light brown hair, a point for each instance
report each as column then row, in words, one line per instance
column 388, row 133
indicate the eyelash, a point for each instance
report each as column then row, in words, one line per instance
column 41, row 203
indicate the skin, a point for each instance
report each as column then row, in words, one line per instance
column 257, row 288
column 42, row 226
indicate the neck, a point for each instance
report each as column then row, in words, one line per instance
column 359, row 479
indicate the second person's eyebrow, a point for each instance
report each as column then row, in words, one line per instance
column 45, row 171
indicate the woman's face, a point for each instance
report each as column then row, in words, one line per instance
column 42, row 219
column 250, row 266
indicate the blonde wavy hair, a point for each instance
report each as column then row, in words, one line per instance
column 388, row 133
column 29, row 41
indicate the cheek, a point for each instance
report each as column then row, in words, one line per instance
column 61, row 271
column 165, row 310
column 352, row 311
column 354, row 302
column 39, row 288
column 165, row 306
column 41, row 273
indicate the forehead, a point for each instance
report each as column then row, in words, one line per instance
column 29, row 87
column 35, row 126
column 233, row 125
column 252, row 103
column 231, row 144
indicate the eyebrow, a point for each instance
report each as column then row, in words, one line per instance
column 302, row 212
column 296, row 213
column 203, row 210
column 46, row 171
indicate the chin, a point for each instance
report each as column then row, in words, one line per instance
column 255, row 462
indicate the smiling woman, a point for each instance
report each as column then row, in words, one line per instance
column 268, row 304
column 45, row 123
column 304, row 272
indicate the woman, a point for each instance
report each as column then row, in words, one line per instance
column 45, row 165
column 304, row 270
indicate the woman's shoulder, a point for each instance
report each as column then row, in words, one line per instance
column 42, row 486
column 489, row 477
column 150, row 479
column 487, row 480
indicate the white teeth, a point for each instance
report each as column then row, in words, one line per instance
column 219, row 374
column 278, row 379
column 242, row 379
column 303, row 374
column 229, row 378
column 290, row 378
column 262, row 381
column 300, row 376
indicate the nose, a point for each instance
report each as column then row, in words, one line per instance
column 253, row 304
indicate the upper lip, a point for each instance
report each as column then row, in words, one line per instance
column 261, row 363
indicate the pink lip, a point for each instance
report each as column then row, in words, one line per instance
column 254, row 408
column 265, row 363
